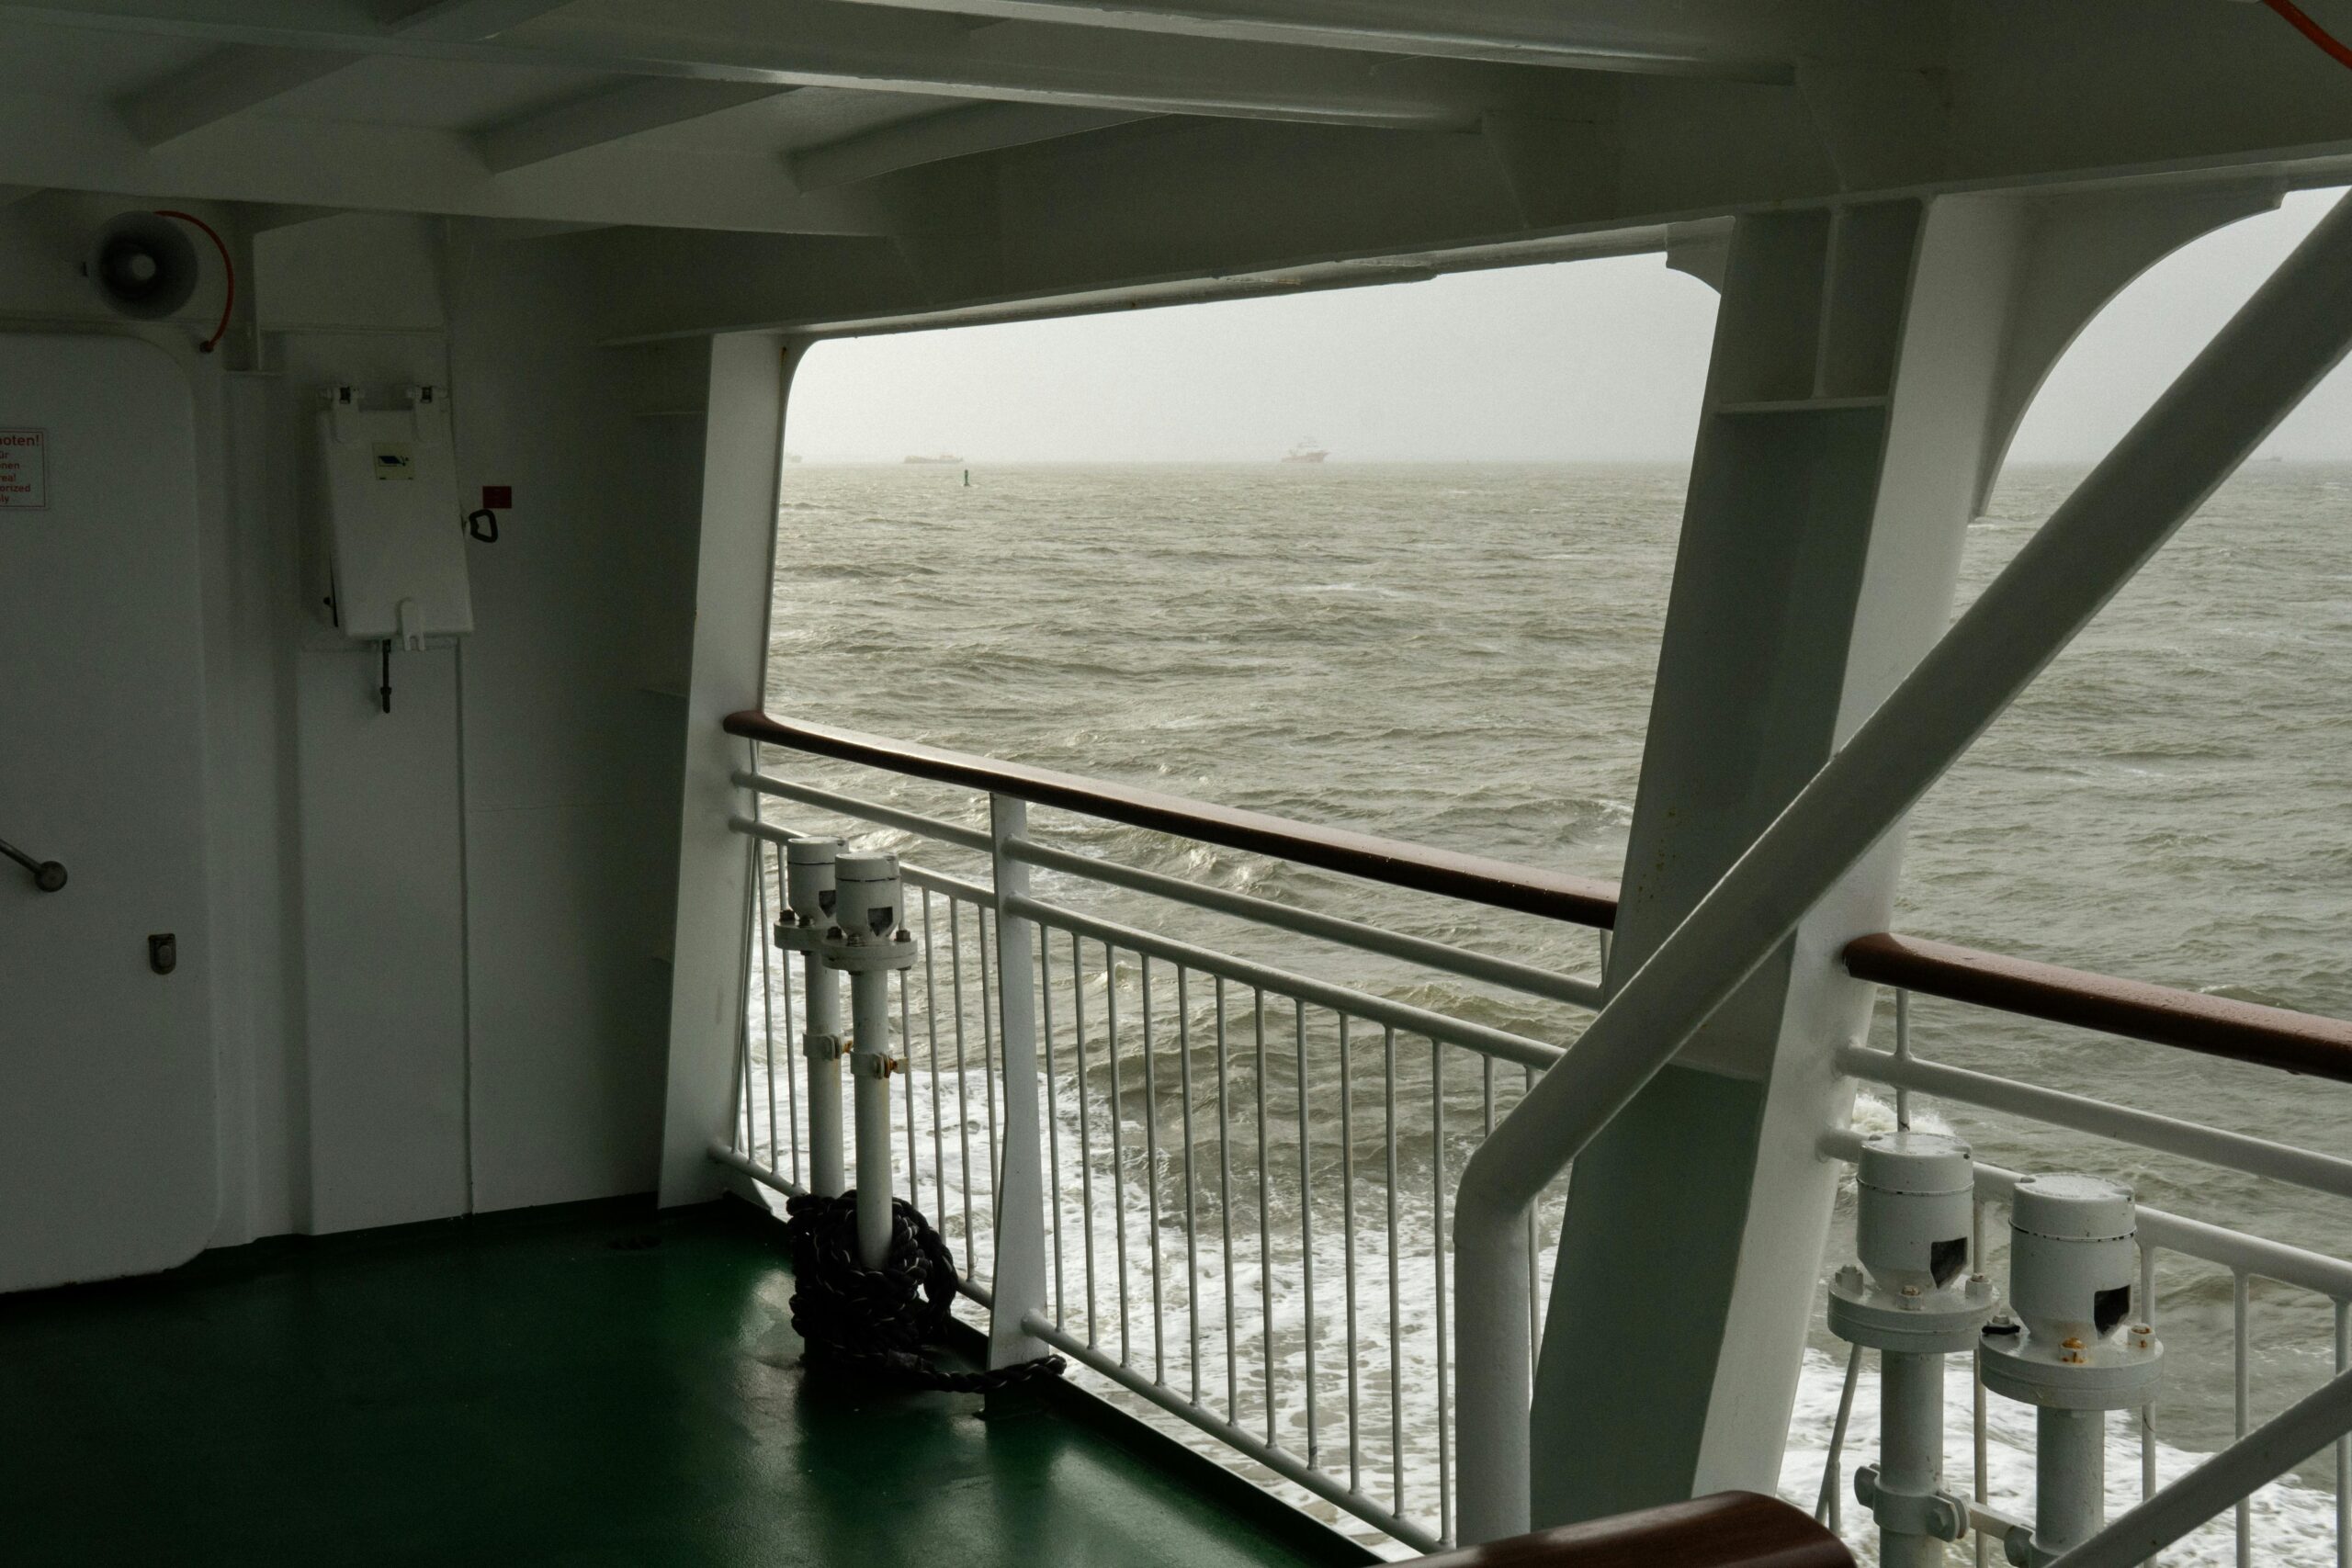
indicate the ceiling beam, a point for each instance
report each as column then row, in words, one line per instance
column 241, row 76
column 62, row 144
column 936, row 138
column 463, row 20
column 1737, row 39
column 829, row 43
column 610, row 115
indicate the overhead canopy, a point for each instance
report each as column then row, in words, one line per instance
column 899, row 158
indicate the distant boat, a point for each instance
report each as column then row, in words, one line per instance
column 943, row 457
column 1307, row 451
column 792, row 457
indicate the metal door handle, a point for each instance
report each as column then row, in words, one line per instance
column 47, row 875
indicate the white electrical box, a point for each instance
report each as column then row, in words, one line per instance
column 395, row 537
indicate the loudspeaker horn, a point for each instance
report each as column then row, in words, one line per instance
column 144, row 266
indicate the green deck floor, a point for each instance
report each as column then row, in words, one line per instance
column 589, row 1385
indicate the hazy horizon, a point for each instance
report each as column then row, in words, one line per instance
column 1579, row 362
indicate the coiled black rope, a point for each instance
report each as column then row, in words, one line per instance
column 879, row 1319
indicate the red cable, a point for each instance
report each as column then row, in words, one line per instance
column 228, row 268
column 2333, row 47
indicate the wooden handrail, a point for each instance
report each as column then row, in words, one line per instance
column 1729, row 1530
column 2242, row 1031
column 1475, row 878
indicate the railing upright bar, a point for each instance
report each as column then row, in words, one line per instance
column 1901, row 1056
column 1085, row 1122
column 1118, row 1146
column 930, row 1032
column 1225, row 1213
column 1306, row 1232
column 1396, row 1278
column 1978, row 1413
column 1052, row 1127
column 2241, row 1315
column 1829, row 1511
column 2148, row 1410
column 759, row 940
column 1191, row 1206
column 982, row 923
column 1530, row 1241
column 791, row 1079
column 906, row 1071
column 1265, row 1212
column 1018, row 1245
column 2343, row 1445
column 963, row 1077
column 1442, row 1342
column 1348, row 1246
column 751, row 1146
column 1151, row 1173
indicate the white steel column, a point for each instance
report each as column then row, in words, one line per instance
column 742, row 465
column 1734, row 1277
column 1020, row 1283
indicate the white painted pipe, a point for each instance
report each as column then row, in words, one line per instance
column 823, row 1011
column 2069, row 1477
column 2255, row 1461
column 869, row 1000
column 2278, row 345
column 1911, row 1452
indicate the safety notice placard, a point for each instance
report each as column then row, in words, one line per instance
column 24, row 470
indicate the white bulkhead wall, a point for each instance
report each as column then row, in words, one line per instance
column 442, row 980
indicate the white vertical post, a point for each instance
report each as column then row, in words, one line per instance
column 822, row 1046
column 1019, row 1284
column 743, row 463
column 869, row 1070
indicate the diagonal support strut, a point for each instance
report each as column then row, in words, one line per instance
column 2294, row 331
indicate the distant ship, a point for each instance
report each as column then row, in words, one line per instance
column 943, row 457
column 1307, row 451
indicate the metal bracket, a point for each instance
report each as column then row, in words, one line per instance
column 822, row 1047
column 1940, row 1516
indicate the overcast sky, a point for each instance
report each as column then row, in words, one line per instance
column 1594, row 360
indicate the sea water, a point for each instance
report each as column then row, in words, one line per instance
column 1463, row 656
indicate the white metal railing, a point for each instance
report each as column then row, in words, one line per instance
column 1245, row 1172
column 1246, row 1168
column 2237, row 1255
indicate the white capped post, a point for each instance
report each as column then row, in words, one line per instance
column 868, row 940
column 808, row 913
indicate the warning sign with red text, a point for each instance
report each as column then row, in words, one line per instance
column 24, row 470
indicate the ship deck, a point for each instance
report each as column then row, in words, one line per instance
column 585, row 1385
